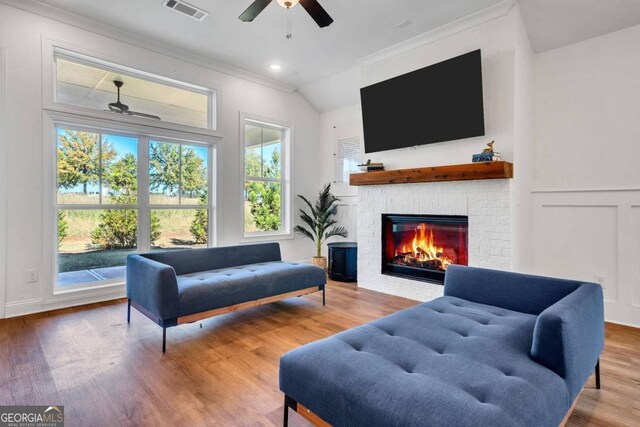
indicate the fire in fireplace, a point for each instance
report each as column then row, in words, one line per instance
column 423, row 246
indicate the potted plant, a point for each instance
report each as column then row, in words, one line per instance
column 319, row 223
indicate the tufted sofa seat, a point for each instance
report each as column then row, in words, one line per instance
column 211, row 289
column 183, row 286
column 447, row 362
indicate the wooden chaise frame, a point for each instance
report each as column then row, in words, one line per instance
column 191, row 318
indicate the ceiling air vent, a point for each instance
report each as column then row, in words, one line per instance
column 186, row 9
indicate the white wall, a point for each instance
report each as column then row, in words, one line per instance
column 496, row 39
column 507, row 85
column 587, row 199
column 3, row 185
column 21, row 35
column 334, row 92
column 340, row 123
column 523, row 142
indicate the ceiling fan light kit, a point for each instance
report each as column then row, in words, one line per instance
column 288, row 4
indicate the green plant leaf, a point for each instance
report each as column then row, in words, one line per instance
column 304, row 232
column 337, row 231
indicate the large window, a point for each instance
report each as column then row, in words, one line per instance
column 119, row 193
column 265, row 190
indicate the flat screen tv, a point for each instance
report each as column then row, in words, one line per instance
column 442, row 102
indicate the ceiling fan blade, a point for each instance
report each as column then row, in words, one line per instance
column 148, row 116
column 317, row 12
column 254, row 10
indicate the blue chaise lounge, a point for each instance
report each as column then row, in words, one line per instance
column 498, row 349
column 184, row 286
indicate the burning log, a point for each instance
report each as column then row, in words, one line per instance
column 432, row 264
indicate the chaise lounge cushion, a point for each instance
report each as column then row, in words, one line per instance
column 461, row 363
column 208, row 290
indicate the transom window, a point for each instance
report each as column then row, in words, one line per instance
column 265, row 191
column 88, row 83
column 119, row 193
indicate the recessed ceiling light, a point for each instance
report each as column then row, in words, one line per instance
column 275, row 67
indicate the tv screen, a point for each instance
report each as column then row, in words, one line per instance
column 442, row 102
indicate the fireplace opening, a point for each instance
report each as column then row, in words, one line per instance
column 421, row 247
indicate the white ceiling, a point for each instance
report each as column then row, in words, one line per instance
column 360, row 28
column 556, row 23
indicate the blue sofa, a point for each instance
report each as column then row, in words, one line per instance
column 498, row 349
column 184, row 286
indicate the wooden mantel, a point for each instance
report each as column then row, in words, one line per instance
column 466, row 172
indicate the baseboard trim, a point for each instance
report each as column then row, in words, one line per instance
column 619, row 325
column 36, row 305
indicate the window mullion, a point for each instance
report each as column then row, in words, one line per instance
column 144, row 211
column 100, row 168
column 262, row 151
column 180, row 174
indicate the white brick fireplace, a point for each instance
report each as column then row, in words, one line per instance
column 487, row 203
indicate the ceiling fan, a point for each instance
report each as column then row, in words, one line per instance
column 120, row 108
column 312, row 7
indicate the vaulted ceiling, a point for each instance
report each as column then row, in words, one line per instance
column 361, row 28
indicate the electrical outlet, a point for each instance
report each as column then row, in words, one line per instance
column 32, row 276
column 600, row 280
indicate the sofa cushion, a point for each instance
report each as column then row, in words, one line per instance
column 186, row 261
column 445, row 362
column 208, row 290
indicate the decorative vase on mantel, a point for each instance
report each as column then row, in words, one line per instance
column 318, row 224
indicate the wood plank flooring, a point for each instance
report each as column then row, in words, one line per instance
column 106, row 372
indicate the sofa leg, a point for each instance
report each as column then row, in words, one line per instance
column 128, row 310
column 323, row 295
column 598, row 374
column 285, row 418
column 288, row 403
column 164, row 340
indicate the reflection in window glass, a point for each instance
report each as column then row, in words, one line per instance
column 263, row 152
column 93, row 244
column 92, row 164
column 164, row 173
column 262, row 206
column 78, row 166
column 91, row 86
column 179, row 228
column 177, row 174
column 193, row 175
column 120, row 170
column 263, row 183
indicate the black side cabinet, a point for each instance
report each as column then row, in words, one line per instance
column 343, row 261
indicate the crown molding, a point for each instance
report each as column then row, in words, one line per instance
column 97, row 27
column 465, row 23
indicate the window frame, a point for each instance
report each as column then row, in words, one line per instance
column 113, row 287
column 285, row 179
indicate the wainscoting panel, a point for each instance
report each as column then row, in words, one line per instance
column 635, row 250
column 592, row 235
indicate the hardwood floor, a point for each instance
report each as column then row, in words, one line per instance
column 106, row 372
